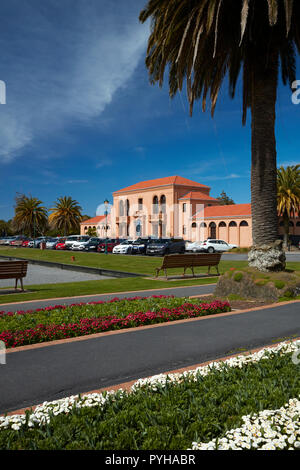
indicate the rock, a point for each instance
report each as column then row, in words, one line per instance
column 267, row 258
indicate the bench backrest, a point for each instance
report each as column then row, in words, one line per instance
column 191, row 260
column 13, row 269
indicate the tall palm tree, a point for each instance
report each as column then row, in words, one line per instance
column 30, row 217
column 202, row 41
column 288, row 196
column 66, row 215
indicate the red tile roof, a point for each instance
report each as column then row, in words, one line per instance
column 93, row 221
column 198, row 195
column 169, row 180
column 231, row 210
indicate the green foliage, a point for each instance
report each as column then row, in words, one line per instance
column 238, row 277
column 224, row 199
column 170, row 418
column 279, row 284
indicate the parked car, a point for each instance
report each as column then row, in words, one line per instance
column 51, row 243
column 211, row 245
column 26, row 242
column 61, row 244
column 110, row 243
column 124, row 248
column 80, row 244
column 93, row 244
column 75, row 238
column 7, row 240
column 139, row 246
column 17, row 241
column 191, row 246
column 164, row 246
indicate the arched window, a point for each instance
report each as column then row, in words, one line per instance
column 232, row 224
column 127, row 207
column 203, row 225
column 244, row 223
column 163, row 203
column 291, row 224
column 194, row 225
column 121, row 208
column 281, row 223
column 298, row 224
column 222, row 224
column 212, row 230
column 155, row 205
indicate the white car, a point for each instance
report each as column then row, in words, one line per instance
column 80, row 245
column 211, row 246
column 75, row 238
column 192, row 246
column 50, row 244
column 123, row 247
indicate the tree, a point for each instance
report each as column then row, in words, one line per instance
column 91, row 232
column 30, row 217
column 65, row 215
column 288, row 196
column 224, row 199
column 5, row 228
column 201, row 42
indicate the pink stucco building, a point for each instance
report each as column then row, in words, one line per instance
column 176, row 207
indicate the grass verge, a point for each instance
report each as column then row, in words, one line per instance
column 73, row 289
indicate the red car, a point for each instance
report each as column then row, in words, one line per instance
column 60, row 245
column 110, row 243
column 25, row 243
column 18, row 241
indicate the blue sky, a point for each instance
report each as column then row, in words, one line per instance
column 82, row 120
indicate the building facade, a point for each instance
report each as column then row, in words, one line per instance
column 176, row 207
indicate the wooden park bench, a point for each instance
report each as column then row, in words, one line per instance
column 191, row 261
column 13, row 270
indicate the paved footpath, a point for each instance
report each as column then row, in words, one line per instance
column 45, row 373
column 176, row 291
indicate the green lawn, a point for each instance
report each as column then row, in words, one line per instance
column 72, row 289
column 138, row 264
column 126, row 263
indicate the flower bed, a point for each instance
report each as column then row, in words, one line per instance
column 255, row 396
column 62, row 322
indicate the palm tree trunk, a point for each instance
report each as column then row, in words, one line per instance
column 286, row 227
column 264, row 168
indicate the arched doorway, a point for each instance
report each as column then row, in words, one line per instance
column 212, row 230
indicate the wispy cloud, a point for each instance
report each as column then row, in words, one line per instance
column 60, row 73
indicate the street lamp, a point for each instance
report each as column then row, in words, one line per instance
column 106, row 202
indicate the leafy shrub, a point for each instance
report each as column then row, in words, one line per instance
column 279, row 284
column 238, row 277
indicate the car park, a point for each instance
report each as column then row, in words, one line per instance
column 164, row 246
column 212, row 246
column 125, row 247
